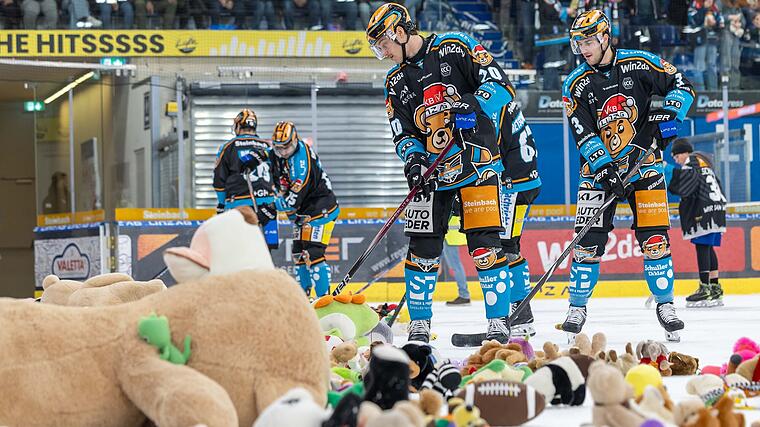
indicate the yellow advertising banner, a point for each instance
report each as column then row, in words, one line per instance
column 162, row 214
column 84, row 217
column 173, row 43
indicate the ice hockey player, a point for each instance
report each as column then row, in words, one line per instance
column 702, row 211
column 520, row 187
column 306, row 196
column 443, row 86
column 245, row 154
column 607, row 101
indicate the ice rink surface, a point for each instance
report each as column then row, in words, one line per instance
column 709, row 335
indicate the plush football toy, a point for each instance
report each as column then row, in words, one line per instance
column 504, row 403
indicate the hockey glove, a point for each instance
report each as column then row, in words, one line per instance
column 281, row 205
column 413, row 169
column 610, row 180
column 219, row 208
column 464, row 113
column 266, row 212
column 665, row 126
column 253, row 159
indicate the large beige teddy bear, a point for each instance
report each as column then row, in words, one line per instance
column 105, row 289
column 254, row 337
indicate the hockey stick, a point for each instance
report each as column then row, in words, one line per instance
column 536, row 289
column 247, row 174
column 397, row 310
column 389, row 223
column 379, row 275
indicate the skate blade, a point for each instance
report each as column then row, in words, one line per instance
column 698, row 304
column 672, row 336
column 716, row 303
column 649, row 302
column 524, row 332
column 570, row 335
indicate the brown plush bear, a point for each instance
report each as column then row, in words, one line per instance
column 550, row 352
column 254, row 337
column 611, row 395
column 491, row 350
column 683, row 364
column 105, row 289
column 693, row 413
column 342, row 354
column 750, row 369
column 726, row 414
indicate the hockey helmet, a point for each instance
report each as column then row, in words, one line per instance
column 591, row 23
column 383, row 23
column 246, row 119
column 284, row 139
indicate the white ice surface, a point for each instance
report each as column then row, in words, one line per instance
column 709, row 335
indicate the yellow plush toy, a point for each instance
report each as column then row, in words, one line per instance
column 254, row 337
column 105, row 289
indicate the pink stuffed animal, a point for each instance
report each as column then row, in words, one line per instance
column 744, row 347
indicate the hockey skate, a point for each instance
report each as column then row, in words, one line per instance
column 419, row 330
column 498, row 330
column 716, row 295
column 666, row 315
column 700, row 298
column 576, row 318
column 522, row 326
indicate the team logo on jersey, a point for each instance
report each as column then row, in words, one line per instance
column 433, row 116
column 445, row 69
column 450, row 171
column 616, row 119
column 389, row 108
column 655, row 247
column 296, row 186
column 668, row 67
column 484, row 258
column 482, row 56
column 569, row 105
column 581, row 253
column 628, row 83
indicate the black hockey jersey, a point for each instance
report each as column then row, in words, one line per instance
column 703, row 205
column 420, row 92
column 304, row 185
column 608, row 112
column 229, row 181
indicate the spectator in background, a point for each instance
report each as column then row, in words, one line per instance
column 143, row 8
column 57, row 198
column 366, row 7
column 552, row 17
column 526, row 32
column 678, row 12
column 704, row 14
column 348, row 9
column 413, row 6
column 731, row 48
column 79, row 15
column 644, row 17
column 32, row 9
column 451, row 244
column 312, row 13
column 257, row 10
column 198, row 10
column 10, row 14
column 123, row 8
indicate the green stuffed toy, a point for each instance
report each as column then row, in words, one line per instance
column 498, row 369
column 346, row 316
column 155, row 331
column 334, row 397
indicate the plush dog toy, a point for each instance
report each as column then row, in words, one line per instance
column 105, row 289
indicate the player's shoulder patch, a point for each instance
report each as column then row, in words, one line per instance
column 576, row 75
column 650, row 58
column 455, row 38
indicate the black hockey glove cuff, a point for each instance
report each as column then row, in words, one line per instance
column 665, row 126
column 464, row 112
column 607, row 176
column 266, row 212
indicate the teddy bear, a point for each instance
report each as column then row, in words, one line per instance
column 750, row 369
column 683, row 364
column 656, row 354
column 655, row 403
column 726, row 414
column 104, row 289
column 693, row 413
column 342, row 354
column 550, row 352
column 402, row 414
column 512, row 353
column 421, row 363
column 589, row 347
column 463, row 415
column 707, row 387
column 254, row 337
column 611, row 394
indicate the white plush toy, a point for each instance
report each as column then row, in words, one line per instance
column 295, row 409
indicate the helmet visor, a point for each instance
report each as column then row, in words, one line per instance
column 381, row 45
column 284, row 149
column 577, row 40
